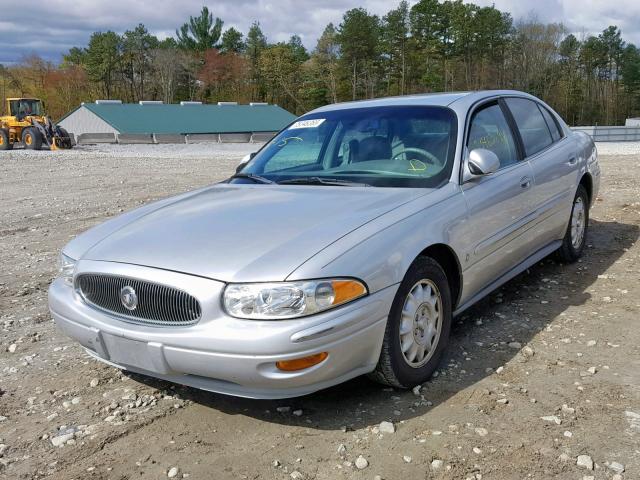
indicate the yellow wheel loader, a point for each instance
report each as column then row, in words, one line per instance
column 26, row 124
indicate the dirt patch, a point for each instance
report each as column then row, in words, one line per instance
column 544, row 370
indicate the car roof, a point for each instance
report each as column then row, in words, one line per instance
column 444, row 99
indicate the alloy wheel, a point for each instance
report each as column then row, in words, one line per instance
column 577, row 223
column 421, row 323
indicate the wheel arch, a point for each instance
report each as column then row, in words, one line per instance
column 448, row 260
column 587, row 182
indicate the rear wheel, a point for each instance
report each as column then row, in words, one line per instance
column 418, row 327
column 5, row 143
column 32, row 138
column 575, row 237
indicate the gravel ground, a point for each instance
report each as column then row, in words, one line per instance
column 618, row 148
column 541, row 379
column 220, row 151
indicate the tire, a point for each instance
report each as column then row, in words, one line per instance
column 66, row 138
column 395, row 367
column 32, row 138
column 62, row 139
column 5, row 143
column 576, row 238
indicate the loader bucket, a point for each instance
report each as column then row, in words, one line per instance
column 61, row 143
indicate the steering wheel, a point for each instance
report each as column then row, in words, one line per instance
column 428, row 156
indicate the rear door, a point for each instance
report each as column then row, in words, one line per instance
column 553, row 161
column 500, row 205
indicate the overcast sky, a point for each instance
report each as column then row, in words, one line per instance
column 50, row 27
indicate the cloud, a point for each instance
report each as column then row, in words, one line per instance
column 61, row 24
column 581, row 17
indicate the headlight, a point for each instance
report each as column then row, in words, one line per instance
column 278, row 300
column 66, row 266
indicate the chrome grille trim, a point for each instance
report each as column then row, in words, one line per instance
column 158, row 305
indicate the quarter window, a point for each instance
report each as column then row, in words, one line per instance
column 533, row 128
column 551, row 123
column 489, row 129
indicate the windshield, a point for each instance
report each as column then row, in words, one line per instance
column 394, row 146
column 26, row 107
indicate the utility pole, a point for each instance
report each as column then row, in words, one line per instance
column 4, row 86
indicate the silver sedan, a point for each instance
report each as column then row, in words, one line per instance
column 344, row 247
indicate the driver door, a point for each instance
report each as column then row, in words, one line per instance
column 500, row 205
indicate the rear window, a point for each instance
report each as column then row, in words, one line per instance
column 533, row 128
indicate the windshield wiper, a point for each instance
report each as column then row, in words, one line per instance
column 251, row 176
column 322, row 181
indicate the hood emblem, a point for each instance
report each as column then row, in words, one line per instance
column 128, row 298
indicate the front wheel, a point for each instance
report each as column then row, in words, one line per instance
column 62, row 139
column 575, row 237
column 418, row 327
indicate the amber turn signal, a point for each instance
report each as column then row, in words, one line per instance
column 346, row 290
column 301, row 363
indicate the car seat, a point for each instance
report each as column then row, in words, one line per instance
column 372, row 148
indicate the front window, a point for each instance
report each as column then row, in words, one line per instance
column 395, row 146
column 25, row 107
column 489, row 130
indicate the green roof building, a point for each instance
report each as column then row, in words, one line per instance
column 112, row 119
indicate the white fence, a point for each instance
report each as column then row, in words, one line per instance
column 611, row 134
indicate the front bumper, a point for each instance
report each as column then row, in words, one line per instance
column 224, row 354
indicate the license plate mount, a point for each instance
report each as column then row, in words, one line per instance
column 128, row 352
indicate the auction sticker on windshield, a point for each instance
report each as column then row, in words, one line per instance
column 316, row 122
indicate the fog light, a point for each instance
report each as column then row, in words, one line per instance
column 301, row 363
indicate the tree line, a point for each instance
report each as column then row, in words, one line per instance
column 430, row 47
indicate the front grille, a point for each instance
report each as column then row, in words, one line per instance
column 156, row 304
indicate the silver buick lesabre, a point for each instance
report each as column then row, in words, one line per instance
column 345, row 246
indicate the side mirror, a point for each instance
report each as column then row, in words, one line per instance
column 244, row 161
column 481, row 162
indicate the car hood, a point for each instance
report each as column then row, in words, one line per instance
column 240, row 233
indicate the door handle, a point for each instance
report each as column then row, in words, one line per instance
column 572, row 161
column 525, row 182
